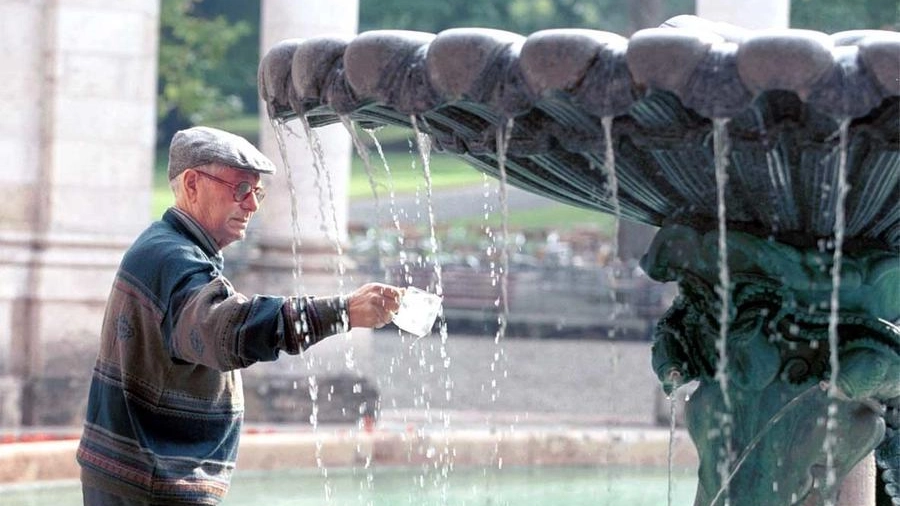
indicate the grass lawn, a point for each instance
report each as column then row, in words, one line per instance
column 407, row 173
column 559, row 217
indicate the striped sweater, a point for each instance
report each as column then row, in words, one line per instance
column 165, row 405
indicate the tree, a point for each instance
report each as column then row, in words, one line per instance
column 519, row 16
column 238, row 77
column 191, row 50
column 617, row 16
column 832, row 16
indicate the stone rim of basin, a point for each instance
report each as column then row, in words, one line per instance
column 783, row 97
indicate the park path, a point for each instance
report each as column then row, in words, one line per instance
column 447, row 204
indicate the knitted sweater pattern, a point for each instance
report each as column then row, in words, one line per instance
column 165, row 405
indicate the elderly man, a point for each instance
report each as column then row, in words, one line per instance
column 166, row 405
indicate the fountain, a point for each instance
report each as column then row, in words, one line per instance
column 770, row 161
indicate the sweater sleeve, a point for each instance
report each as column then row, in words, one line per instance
column 309, row 320
column 223, row 329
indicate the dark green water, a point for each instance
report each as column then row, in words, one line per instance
column 415, row 487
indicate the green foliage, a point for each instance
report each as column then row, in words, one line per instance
column 519, row 16
column 237, row 78
column 831, row 16
column 617, row 16
column 191, row 49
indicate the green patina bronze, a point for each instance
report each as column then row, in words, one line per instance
column 560, row 112
column 777, row 356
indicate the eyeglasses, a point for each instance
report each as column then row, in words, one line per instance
column 241, row 190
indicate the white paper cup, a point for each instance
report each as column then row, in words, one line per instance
column 418, row 310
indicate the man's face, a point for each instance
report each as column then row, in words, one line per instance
column 217, row 211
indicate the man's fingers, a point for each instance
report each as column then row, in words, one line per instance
column 379, row 303
column 390, row 297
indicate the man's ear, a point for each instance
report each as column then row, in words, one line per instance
column 189, row 184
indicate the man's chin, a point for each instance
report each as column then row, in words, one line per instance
column 237, row 236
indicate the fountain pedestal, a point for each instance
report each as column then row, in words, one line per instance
column 761, row 420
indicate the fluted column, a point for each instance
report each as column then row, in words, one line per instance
column 763, row 14
column 286, row 19
column 319, row 231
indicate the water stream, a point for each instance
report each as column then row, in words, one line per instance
column 392, row 197
column 615, row 263
column 363, row 152
column 280, row 128
column 721, row 148
column 325, row 188
column 830, row 489
column 503, row 136
column 423, row 142
column 670, row 449
column 444, row 459
column 609, row 158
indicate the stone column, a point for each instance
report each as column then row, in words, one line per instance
column 761, row 14
column 78, row 90
column 341, row 364
column 321, row 198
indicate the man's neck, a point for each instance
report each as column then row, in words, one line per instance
column 196, row 229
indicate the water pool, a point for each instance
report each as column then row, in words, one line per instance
column 393, row 487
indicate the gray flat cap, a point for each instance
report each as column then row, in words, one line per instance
column 202, row 145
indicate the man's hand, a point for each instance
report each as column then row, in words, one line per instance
column 373, row 305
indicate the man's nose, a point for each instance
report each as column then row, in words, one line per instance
column 251, row 202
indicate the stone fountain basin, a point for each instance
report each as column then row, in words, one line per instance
column 782, row 96
column 789, row 137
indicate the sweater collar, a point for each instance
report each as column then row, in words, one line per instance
column 201, row 236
